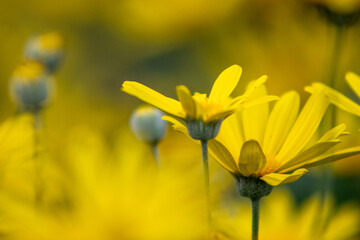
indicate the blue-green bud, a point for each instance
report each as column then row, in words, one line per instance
column 30, row 86
column 47, row 49
column 147, row 125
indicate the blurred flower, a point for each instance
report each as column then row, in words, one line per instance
column 339, row 99
column 199, row 108
column 106, row 196
column 47, row 48
column 16, row 151
column 340, row 6
column 283, row 220
column 137, row 19
column 254, row 144
column 30, row 86
column 338, row 12
column 147, row 125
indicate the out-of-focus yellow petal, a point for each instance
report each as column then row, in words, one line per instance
column 186, row 100
column 305, row 126
column 333, row 157
column 255, row 118
column 354, row 82
column 307, row 155
column 253, row 85
column 333, row 133
column 337, row 98
column 281, row 120
column 154, row 98
column 222, row 156
column 252, row 159
column 256, row 101
column 225, row 84
column 275, row 179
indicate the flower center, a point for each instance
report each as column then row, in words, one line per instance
column 271, row 165
column 205, row 107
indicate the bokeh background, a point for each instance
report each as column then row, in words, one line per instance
column 166, row 43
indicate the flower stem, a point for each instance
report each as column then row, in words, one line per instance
column 155, row 152
column 205, row 156
column 334, row 67
column 255, row 205
column 37, row 161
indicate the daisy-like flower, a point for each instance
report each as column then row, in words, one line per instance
column 201, row 114
column 256, row 144
column 263, row 150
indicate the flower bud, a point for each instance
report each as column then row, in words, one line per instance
column 147, row 125
column 30, row 86
column 47, row 49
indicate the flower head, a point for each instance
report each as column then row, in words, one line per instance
column 209, row 110
column 256, row 144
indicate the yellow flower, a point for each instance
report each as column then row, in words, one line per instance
column 210, row 109
column 283, row 220
column 102, row 195
column 259, row 145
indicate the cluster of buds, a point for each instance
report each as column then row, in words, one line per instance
column 32, row 82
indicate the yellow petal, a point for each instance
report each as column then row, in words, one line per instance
column 222, row 156
column 309, row 154
column 186, row 100
column 280, row 122
column 304, row 127
column 339, row 99
column 252, row 159
column 334, row 133
column 354, row 82
column 176, row 124
column 154, row 98
column 333, row 157
column 225, row 84
column 255, row 118
column 275, row 179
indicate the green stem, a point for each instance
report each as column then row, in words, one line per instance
column 155, row 153
column 204, row 149
column 334, row 69
column 255, row 205
column 37, row 161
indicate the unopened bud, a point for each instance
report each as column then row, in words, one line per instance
column 147, row 125
column 30, row 86
column 47, row 49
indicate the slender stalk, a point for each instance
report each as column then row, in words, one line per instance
column 334, row 69
column 255, row 205
column 37, row 161
column 205, row 156
column 155, row 153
